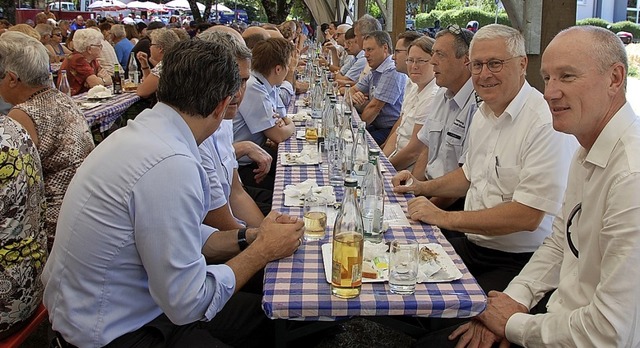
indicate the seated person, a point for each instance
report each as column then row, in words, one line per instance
column 412, row 56
column 350, row 72
column 262, row 116
column 161, row 41
column 21, row 217
column 55, row 123
column 379, row 94
column 123, row 223
column 55, row 46
column 83, row 69
column 122, row 45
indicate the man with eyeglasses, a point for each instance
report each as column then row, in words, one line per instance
column 339, row 55
column 446, row 129
column 515, row 169
column 592, row 256
column 350, row 72
column 379, row 94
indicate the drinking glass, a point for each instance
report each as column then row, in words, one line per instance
column 315, row 217
column 403, row 266
column 311, row 130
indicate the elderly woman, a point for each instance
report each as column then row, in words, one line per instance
column 57, row 51
column 52, row 119
column 23, row 241
column 161, row 41
column 403, row 147
column 83, row 69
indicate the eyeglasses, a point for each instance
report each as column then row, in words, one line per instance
column 573, row 214
column 459, row 32
column 396, row 51
column 417, row 62
column 494, row 65
column 99, row 46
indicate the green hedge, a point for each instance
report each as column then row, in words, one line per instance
column 596, row 22
column 460, row 17
column 628, row 26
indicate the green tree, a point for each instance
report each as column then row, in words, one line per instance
column 9, row 7
column 196, row 12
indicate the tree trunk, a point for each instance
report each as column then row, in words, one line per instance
column 277, row 10
column 196, row 12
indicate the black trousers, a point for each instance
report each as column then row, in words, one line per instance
column 241, row 323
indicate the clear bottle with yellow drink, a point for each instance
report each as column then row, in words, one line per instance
column 348, row 239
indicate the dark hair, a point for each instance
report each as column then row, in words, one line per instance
column 382, row 38
column 324, row 27
column 105, row 26
column 335, row 24
column 206, row 67
column 140, row 26
column 153, row 25
column 349, row 34
column 409, row 36
column 269, row 53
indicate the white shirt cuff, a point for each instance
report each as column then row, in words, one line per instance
column 516, row 324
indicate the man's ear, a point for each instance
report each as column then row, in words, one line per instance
column 221, row 108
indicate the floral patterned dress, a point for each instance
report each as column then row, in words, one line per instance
column 64, row 140
column 23, row 242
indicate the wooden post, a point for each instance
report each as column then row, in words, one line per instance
column 399, row 20
column 557, row 15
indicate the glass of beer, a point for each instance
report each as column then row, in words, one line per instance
column 315, row 217
column 311, row 130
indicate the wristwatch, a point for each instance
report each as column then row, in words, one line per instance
column 242, row 239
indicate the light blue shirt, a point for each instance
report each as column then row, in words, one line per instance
column 347, row 63
column 356, row 68
column 386, row 84
column 219, row 161
column 130, row 235
column 123, row 50
column 255, row 113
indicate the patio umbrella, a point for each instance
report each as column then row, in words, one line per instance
column 107, row 5
column 221, row 7
column 144, row 6
column 182, row 5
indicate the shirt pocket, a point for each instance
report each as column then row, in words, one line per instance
column 507, row 179
column 431, row 133
column 455, row 136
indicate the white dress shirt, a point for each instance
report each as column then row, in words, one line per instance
column 517, row 157
column 596, row 302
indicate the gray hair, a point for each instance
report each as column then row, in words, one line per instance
column 513, row 39
column 84, row 38
column 197, row 65
column 26, row 57
column 237, row 48
column 367, row 24
column 164, row 38
column 607, row 50
column 382, row 38
column 118, row 31
column 44, row 29
column 460, row 45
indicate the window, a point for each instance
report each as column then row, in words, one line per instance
column 633, row 11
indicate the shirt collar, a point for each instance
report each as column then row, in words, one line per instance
column 360, row 54
column 182, row 127
column 386, row 64
column 462, row 97
column 261, row 79
column 600, row 152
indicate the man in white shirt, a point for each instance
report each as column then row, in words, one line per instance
column 515, row 169
column 593, row 254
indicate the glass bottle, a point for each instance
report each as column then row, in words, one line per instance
column 372, row 200
column 348, row 242
column 117, row 80
column 51, row 83
column 347, row 138
column 132, row 69
column 63, row 84
column 347, row 103
column 360, row 154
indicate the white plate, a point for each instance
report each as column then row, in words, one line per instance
column 291, row 159
column 297, row 201
column 448, row 272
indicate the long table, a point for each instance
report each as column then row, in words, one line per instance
column 295, row 288
column 109, row 111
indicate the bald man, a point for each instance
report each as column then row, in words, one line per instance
column 253, row 35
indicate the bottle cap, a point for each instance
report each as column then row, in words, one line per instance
column 350, row 182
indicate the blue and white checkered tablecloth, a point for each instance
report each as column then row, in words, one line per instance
column 105, row 114
column 296, row 287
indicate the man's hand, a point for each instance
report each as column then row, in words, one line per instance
column 405, row 182
column 474, row 334
column 262, row 158
column 421, row 208
column 358, row 98
column 279, row 236
column 500, row 307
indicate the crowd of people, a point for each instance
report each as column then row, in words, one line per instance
column 158, row 236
